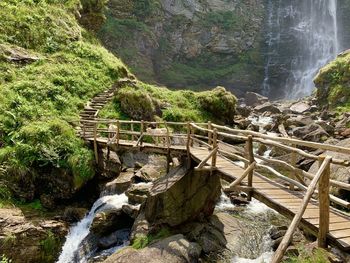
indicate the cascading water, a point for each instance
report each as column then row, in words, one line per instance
column 79, row 231
column 302, row 36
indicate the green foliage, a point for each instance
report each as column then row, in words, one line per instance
column 151, row 102
column 92, row 13
column 145, row 8
column 50, row 247
column 142, row 241
column 317, row 256
column 40, row 101
column 332, row 84
column 4, row 259
column 225, row 19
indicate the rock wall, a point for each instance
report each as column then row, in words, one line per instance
column 189, row 43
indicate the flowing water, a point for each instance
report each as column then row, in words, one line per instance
column 79, row 231
column 301, row 37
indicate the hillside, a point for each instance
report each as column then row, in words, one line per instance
column 50, row 67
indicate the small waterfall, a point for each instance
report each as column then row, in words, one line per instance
column 79, row 231
column 302, row 37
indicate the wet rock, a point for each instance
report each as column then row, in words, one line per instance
column 182, row 196
column 109, row 221
column 174, row 249
column 138, row 193
column 121, row 184
column 267, row 107
column 262, row 149
column 312, row 132
column 277, row 231
column 237, row 200
column 254, row 99
column 299, row 120
column 242, row 123
column 244, row 111
column 116, row 238
column 131, row 159
column 74, row 214
column 47, row 201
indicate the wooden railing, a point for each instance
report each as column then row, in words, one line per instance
column 222, row 140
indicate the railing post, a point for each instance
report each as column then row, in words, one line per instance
column 84, row 132
column 168, row 147
column 293, row 162
column 141, row 131
column 250, row 157
column 210, row 134
column 324, row 203
column 188, row 144
column 192, row 133
column 215, row 144
column 95, row 142
column 132, row 131
column 118, row 132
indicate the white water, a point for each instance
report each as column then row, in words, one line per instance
column 79, row 231
column 302, row 36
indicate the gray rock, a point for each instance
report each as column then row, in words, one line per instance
column 138, row 193
column 300, row 107
column 174, row 249
column 267, row 107
column 254, row 99
column 119, row 185
column 311, row 132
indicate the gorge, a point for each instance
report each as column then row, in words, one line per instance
column 140, row 130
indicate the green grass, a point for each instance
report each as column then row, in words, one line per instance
column 316, row 256
column 40, row 101
column 152, row 102
column 143, row 240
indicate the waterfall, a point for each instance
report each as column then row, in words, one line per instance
column 302, row 37
column 79, row 231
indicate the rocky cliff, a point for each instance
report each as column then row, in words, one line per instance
column 189, row 43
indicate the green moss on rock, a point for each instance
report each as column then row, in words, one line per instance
column 333, row 83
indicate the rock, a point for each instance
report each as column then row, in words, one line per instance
column 109, row 221
column 140, row 228
column 221, row 231
column 131, row 159
column 277, row 231
column 182, row 196
column 74, row 214
column 131, row 210
column 109, row 166
column 292, row 251
column 300, row 107
column 345, row 133
column 262, row 149
column 174, row 249
column 17, row 54
column 338, row 173
column 114, row 239
column 244, row 111
column 267, row 107
column 47, row 201
column 138, row 193
column 242, row 123
column 119, row 185
column 254, row 99
column 149, row 173
column 237, row 200
column 22, row 240
column 326, row 126
column 312, row 132
column 299, row 120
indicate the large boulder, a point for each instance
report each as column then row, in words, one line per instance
column 25, row 241
column 174, row 249
column 182, row 196
column 267, row 107
column 338, row 172
column 254, row 99
column 138, row 193
column 119, row 185
column 313, row 132
column 109, row 164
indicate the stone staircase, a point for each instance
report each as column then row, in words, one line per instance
column 91, row 109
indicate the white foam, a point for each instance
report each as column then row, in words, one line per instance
column 264, row 258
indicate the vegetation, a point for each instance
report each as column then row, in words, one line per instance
column 50, row 67
column 316, row 256
column 151, row 102
column 51, row 246
column 143, row 240
column 332, row 84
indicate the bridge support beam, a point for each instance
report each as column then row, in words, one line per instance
column 324, row 203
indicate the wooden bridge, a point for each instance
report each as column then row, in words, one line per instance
column 219, row 149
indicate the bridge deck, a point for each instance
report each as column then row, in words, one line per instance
column 271, row 193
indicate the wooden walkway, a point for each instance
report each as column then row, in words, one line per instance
column 214, row 147
column 269, row 192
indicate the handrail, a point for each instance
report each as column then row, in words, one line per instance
column 297, row 218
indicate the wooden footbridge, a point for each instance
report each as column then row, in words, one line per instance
column 216, row 148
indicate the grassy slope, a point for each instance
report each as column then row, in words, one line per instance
column 40, row 101
column 333, row 83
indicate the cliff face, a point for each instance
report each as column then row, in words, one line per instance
column 189, row 43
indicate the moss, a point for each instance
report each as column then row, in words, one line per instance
column 4, row 259
column 333, row 83
column 143, row 241
column 50, row 247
